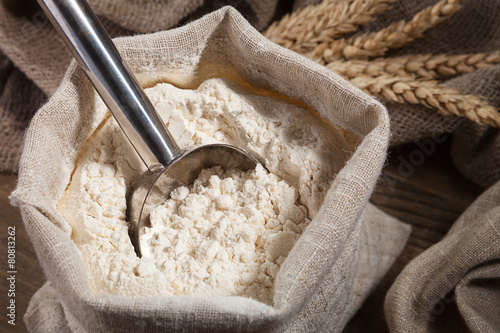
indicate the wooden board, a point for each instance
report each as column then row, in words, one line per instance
column 29, row 276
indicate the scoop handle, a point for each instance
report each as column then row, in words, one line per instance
column 97, row 55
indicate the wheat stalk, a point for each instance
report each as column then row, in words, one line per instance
column 312, row 32
column 304, row 29
column 447, row 101
column 394, row 36
column 425, row 66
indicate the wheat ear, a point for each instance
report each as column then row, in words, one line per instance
column 394, row 36
column 447, row 101
column 425, row 66
column 304, row 29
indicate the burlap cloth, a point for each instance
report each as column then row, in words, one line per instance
column 352, row 244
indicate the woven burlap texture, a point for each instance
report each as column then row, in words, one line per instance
column 19, row 99
column 339, row 259
column 464, row 268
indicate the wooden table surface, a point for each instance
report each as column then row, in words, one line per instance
column 29, row 276
column 430, row 199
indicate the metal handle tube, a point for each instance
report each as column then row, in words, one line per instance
column 97, row 55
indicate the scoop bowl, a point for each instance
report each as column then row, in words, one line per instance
column 154, row 187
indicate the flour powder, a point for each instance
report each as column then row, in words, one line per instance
column 230, row 231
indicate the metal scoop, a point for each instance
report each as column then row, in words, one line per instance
column 169, row 167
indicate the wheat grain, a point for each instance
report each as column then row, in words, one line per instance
column 396, row 35
column 425, row 66
column 303, row 30
column 447, row 101
column 312, row 32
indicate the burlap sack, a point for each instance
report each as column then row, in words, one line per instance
column 345, row 251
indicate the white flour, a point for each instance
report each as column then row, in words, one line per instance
column 227, row 234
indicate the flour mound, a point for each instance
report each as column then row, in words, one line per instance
column 229, row 232
column 226, row 234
